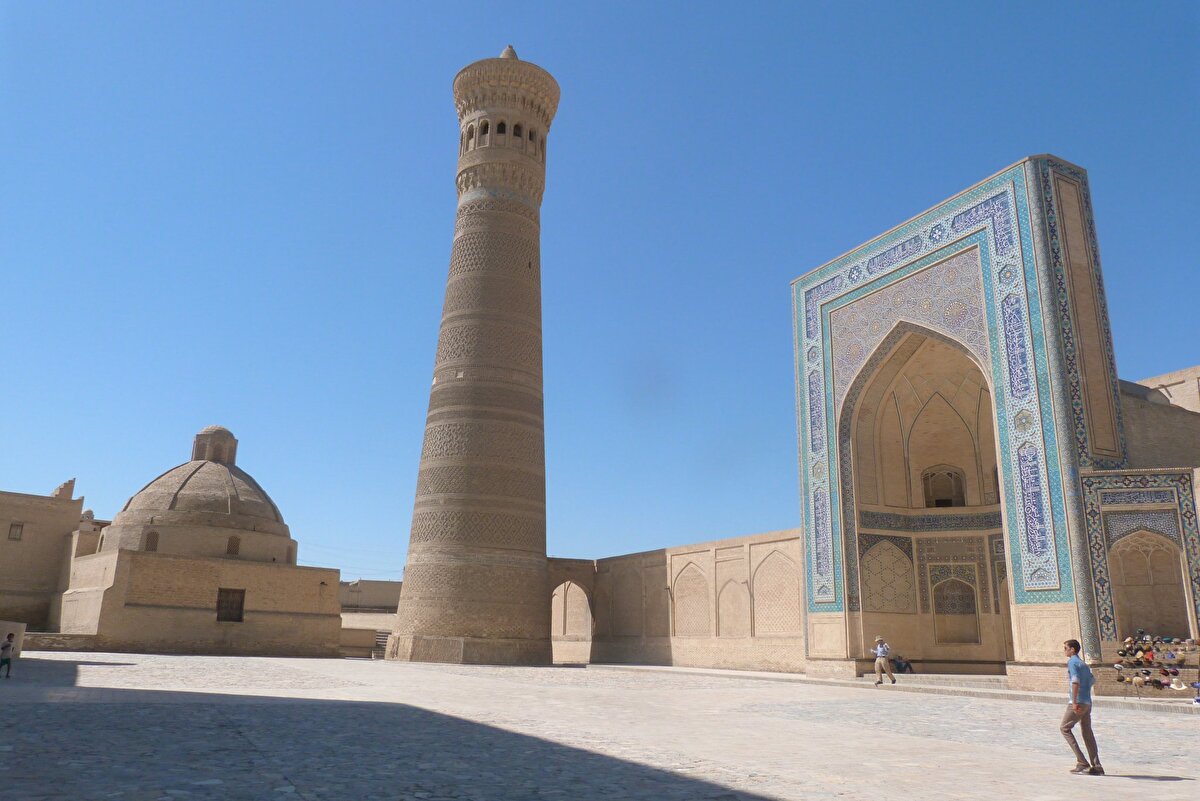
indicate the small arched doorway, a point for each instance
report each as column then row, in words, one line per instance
column 1148, row 585
column 570, row 624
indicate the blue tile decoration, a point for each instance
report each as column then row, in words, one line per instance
column 995, row 210
column 964, row 573
column 995, row 550
column 1049, row 239
column 942, row 297
column 814, row 296
column 966, row 550
column 893, row 256
column 1037, row 538
column 822, row 549
column 995, row 218
column 1019, row 381
column 890, row 521
column 1137, row 497
column 1118, row 525
column 865, row 541
column 948, row 601
column 817, row 417
column 1105, row 527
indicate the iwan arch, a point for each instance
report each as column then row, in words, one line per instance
column 960, row 422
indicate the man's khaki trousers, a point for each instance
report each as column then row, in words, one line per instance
column 1084, row 719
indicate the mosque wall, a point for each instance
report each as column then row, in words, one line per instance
column 35, row 533
column 1158, row 434
column 1008, row 273
column 731, row 603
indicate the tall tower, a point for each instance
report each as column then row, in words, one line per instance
column 475, row 587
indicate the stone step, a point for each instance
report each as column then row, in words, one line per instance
column 945, row 680
column 1180, row 705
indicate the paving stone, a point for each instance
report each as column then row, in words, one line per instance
column 137, row 728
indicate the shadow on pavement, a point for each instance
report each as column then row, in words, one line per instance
column 1152, row 778
column 35, row 672
column 115, row 743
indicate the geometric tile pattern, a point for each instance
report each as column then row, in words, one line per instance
column 1099, row 488
column 995, row 550
column 995, row 219
column 888, row 585
column 956, row 597
column 947, row 297
column 868, row 541
column 970, row 553
column 1122, row 524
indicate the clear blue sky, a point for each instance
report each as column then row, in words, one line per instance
column 241, row 213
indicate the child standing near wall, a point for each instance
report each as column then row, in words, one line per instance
column 7, row 648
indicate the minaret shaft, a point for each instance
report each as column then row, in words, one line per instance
column 475, row 585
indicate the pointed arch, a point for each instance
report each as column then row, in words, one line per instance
column 888, row 581
column 691, row 602
column 775, row 596
column 1147, row 572
column 571, row 611
column 733, row 609
column 955, row 612
column 865, row 391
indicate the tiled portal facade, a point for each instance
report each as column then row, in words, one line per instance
column 1005, row 276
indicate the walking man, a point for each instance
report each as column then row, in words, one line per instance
column 881, row 661
column 1079, row 710
column 7, row 647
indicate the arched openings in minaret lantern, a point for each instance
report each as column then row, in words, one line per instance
column 527, row 140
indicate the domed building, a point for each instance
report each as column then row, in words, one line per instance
column 204, row 507
column 200, row 561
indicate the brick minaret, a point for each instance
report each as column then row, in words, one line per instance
column 475, row 584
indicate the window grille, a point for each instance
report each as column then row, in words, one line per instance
column 230, row 605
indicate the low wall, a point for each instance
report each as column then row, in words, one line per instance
column 51, row 641
column 357, row 643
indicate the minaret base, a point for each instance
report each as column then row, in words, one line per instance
column 467, row 650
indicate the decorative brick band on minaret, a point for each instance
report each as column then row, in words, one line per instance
column 475, row 586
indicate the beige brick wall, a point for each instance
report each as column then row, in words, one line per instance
column 1181, row 388
column 166, row 603
column 732, row 603
column 1160, row 435
column 369, row 594
column 30, row 568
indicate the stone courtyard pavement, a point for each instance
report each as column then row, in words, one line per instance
column 126, row 726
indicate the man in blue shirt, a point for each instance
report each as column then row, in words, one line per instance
column 1079, row 710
